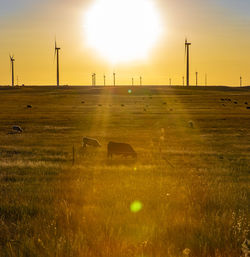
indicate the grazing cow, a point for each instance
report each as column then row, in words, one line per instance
column 120, row 149
column 91, row 141
column 29, row 106
column 191, row 124
column 17, row 129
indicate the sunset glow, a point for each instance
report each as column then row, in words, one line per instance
column 122, row 30
column 131, row 37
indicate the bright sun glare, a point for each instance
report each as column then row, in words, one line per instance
column 122, row 30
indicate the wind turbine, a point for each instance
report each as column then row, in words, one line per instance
column 196, row 75
column 206, row 79
column 240, row 81
column 104, row 80
column 140, row 80
column 12, row 68
column 114, row 77
column 132, row 81
column 93, row 79
column 57, row 60
column 187, row 45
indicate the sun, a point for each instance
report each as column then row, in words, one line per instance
column 122, row 30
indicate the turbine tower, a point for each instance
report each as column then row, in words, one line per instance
column 187, row 45
column 196, row 75
column 140, row 80
column 57, row 61
column 240, row 81
column 114, row 77
column 12, row 68
column 93, row 79
column 104, row 80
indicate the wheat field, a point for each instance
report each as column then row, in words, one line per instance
column 187, row 194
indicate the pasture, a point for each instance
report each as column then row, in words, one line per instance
column 189, row 184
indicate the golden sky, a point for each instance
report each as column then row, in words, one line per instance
column 219, row 31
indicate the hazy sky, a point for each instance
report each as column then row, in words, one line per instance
column 218, row 29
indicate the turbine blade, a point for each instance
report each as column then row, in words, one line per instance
column 55, row 51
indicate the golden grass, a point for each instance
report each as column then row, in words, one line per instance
column 192, row 183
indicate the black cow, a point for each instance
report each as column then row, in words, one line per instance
column 120, row 149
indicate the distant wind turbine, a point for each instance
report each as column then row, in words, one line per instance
column 104, row 80
column 114, row 78
column 93, row 79
column 183, row 79
column 206, row 79
column 12, row 68
column 57, row 63
column 140, row 81
column 132, row 81
column 196, row 76
column 187, row 45
column 240, row 81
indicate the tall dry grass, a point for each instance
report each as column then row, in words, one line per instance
column 193, row 183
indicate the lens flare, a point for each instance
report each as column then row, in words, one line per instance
column 135, row 206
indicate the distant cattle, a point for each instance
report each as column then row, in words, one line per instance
column 191, row 124
column 29, row 106
column 17, row 129
column 120, row 149
column 248, row 107
column 91, row 142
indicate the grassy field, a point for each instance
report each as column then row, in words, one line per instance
column 190, row 181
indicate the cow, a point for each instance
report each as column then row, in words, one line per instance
column 191, row 124
column 17, row 129
column 90, row 141
column 120, row 149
